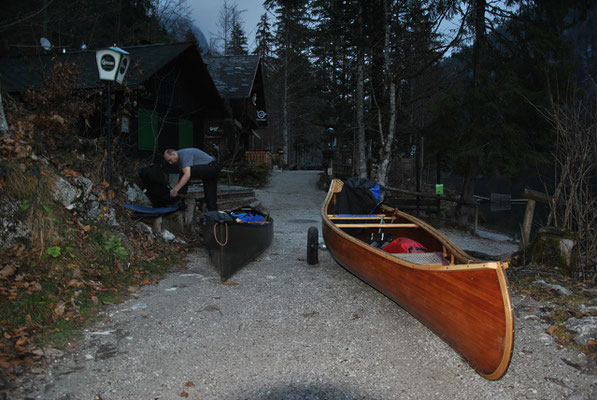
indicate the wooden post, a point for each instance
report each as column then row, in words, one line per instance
column 189, row 216
column 533, row 196
column 157, row 225
column 527, row 222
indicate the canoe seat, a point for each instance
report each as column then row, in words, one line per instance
column 423, row 258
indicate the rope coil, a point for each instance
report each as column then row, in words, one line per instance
column 216, row 236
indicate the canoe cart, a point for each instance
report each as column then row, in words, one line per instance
column 463, row 300
column 235, row 238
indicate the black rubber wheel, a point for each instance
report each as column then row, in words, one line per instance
column 312, row 245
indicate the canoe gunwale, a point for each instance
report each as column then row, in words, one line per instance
column 344, row 240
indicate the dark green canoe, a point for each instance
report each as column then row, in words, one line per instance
column 232, row 244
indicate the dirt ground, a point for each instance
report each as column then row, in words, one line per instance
column 284, row 329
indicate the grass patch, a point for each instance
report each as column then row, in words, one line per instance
column 47, row 297
column 64, row 333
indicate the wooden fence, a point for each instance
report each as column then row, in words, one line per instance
column 258, row 157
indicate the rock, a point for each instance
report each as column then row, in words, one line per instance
column 144, row 227
column 558, row 288
column 84, row 185
column 65, row 193
column 135, row 194
column 588, row 309
column 166, row 234
column 94, row 210
column 585, row 329
column 12, row 230
column 69, row 193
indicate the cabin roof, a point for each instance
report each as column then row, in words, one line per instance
column 234, row 76
column 18, row 74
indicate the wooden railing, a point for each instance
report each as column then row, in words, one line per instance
column 258, row 157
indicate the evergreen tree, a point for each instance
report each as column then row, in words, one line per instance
column 292, row 75
column 238, row 41
column 264, row 39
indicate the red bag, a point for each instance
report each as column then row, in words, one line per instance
column 404, row 245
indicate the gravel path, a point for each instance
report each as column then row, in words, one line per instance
column 288, row 330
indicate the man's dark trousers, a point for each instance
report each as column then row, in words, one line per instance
column 208, row 173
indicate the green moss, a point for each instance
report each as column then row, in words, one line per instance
column 546, row 250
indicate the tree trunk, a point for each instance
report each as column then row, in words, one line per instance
column 387, row 141
column 385, row 152
column 362, row 156
column 468, row 186
column 285, row 134
column 467, row 192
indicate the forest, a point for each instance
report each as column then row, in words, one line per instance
column 470, row 87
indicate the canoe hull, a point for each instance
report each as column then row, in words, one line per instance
column 465, row 304
column 231, row 246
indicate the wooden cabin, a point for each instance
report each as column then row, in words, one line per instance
column 167, row 99
column 240, row 82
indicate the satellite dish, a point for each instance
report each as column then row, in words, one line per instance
column 45, row 43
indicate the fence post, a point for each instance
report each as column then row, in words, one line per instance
column 527, row 222
column 475, row 225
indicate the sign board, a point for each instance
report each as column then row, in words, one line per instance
column 261, row 116
column 124, row 125
column 439, row 189
column 112, row 63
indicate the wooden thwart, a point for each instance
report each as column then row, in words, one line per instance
column 359, row 225
column 356, row 217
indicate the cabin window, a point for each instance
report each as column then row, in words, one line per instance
column 148, row 129
column 185, row 133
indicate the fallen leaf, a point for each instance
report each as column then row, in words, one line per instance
column 189, row 384
column 551, row 329
column 8, row 270
column 71, row 173
column 184, row 394
column 76, row 283
column 59, row 310
column 16, row 250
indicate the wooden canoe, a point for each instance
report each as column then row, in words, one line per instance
column 232, row 245
column 462, row 300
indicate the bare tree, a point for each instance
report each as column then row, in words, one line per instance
column 230, row 16
column 172, row 14
column 574, row 202
column 405, row 58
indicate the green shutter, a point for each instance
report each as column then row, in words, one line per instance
column 148, row 129
column 185, row 133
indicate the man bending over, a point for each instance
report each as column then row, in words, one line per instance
column 196, row 164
